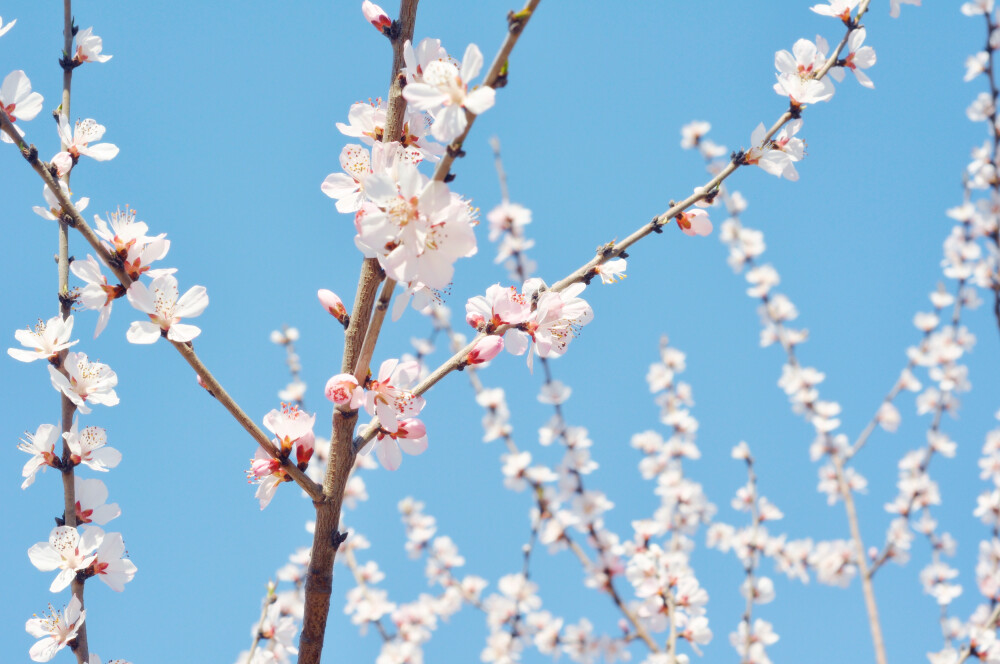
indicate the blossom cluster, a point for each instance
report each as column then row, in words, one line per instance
column 78, row 549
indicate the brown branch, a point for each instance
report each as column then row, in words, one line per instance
column 327, row 537
column 67, row 408
column 374, row 328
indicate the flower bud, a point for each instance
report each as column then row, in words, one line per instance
column 376, row 16
column 341, row 388
column 485, row 349
column 332, row 303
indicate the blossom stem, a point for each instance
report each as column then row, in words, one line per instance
column 269, row 599
column 992, row 119
column 859, row 549
column 81, row 649
column 326, row 537
column 374, row 328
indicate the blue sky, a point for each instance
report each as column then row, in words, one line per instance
column 225, row 120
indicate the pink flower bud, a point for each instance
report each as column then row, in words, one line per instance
column 475, row 319
column 485, row 349
column 376, row 16
column 411, row 428
column 333, row 304
column 341, row 388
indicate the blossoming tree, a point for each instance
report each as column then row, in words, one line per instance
column 644, row 548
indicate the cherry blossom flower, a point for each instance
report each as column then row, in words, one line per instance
column 443, row 91
column 46, row 340
column 91, row 502
column 797, row 73
column 280, row 630
column 42, row 447
column 376, row 16
column 692, row 132
column 108, row 564
column 17, row 101
column 290, row 425
column 78, row 141
column 386, row 397
column 508, row 218
column 500, row 306
column 409, row 434
column 127, row 238
column 55, row 631
column 418, row 60
column 89, row 47
column 55, row 210
column 165, row 310
column 858, row 57
column 347, row 188
column 5, row 29
column 837, row 8
column 419, row 229
column 614, row 270
column 805, row 59
column 89, row 447
column 776, row 156
column 268, row 474
column 694, row 222
column 556, row 321
column 67, row 551
column 86, row 382
column 97, row 294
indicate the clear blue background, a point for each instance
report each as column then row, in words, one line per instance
column 225, row 116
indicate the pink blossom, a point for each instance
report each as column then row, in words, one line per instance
column 65, row 551
column 85, row 381
column 268, row 474
column 386, row 397
column 694, row 222
column 77, row 142
column 410, row 435
column 55, row 631
column 443, row 91
column 289, row 425
column 89, row 447
column 500, row 306
column 89, row 47
column 46, row 340
column 42, row 448
column 97, row 294
column 165, row 309
column 17, row 101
